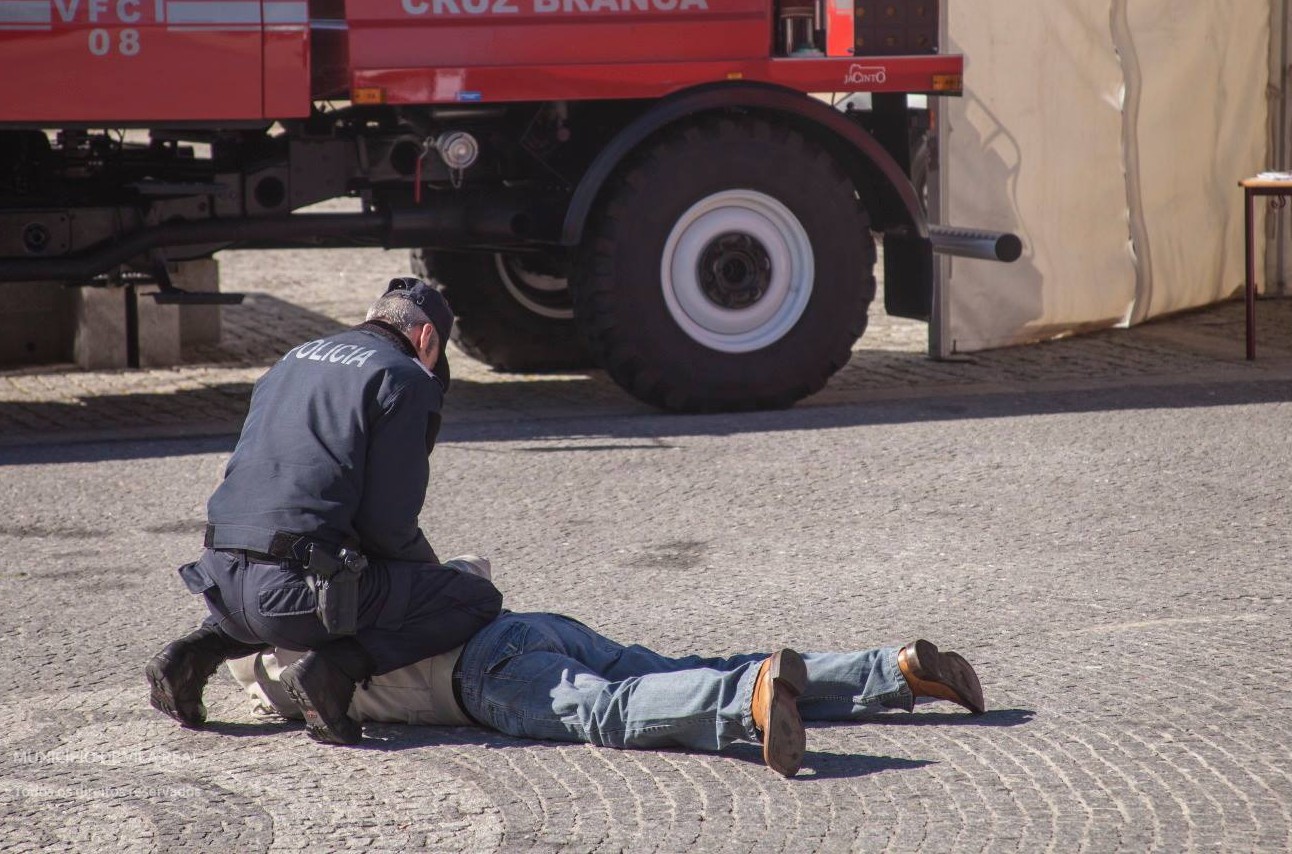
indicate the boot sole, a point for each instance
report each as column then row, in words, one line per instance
column 162, row 697
column 949, row 669
column 318, row 727
column 785, row 741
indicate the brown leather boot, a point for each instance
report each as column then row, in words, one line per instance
column 781, row 678
column 944, row 675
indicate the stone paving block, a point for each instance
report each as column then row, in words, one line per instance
column 100, row 337
column 199, row 325
column 36, row 324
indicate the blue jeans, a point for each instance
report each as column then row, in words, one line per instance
column 551, row 677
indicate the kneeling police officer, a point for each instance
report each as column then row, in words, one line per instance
column 312, row 541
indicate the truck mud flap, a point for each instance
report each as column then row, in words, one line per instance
column 908, row 276
column 908, row 263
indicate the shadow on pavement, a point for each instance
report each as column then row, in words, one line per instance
column 611, row 428
column 94, row 451
column 261, row 330
column 824, row 765
column 818, row 765
column 260, row 728
column 993, row 718
column 219, row 407
column 392, row 737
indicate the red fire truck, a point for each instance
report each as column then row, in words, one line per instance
column 647, row 185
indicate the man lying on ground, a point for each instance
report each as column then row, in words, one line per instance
column 548, row 676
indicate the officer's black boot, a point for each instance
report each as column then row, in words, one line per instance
column 322, row 683
column 179, row 672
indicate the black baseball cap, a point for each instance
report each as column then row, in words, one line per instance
column 437, row 310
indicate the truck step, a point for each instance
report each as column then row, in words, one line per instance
column 178, row 297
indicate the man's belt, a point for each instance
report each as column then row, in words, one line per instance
column 456, row 680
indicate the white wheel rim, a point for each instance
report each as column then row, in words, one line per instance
column 786, row 243
column 523, row 284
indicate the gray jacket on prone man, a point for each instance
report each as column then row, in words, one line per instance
column 313, row 541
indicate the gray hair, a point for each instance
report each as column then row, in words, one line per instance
column 400, row 312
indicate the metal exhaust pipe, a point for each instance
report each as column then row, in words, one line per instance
column 973, row 243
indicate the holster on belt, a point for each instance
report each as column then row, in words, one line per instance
column 335, row 578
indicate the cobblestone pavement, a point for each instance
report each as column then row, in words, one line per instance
column 1099, row 524
column 295, row 296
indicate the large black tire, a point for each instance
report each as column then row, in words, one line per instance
column 504, row 320
column 638, row 305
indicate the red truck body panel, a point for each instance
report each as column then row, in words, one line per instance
column 159, row 61
column 286, row 52
column 650, row 80
column 153, row 60
column 441, row 51
column 422, row 33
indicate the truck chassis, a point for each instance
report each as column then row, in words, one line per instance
column 670, row 203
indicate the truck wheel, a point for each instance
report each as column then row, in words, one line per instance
column 730, row 266
column 513, row 309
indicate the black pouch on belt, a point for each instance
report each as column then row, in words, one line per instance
column 336, row 586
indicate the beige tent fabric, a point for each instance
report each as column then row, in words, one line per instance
column 1110, row 135
column 1202, row 128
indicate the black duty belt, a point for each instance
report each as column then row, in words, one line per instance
column 332, row 572
column 283, row 546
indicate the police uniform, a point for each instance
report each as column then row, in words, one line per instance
column 333, row 454
column 312, row 541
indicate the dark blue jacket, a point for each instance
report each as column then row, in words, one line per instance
column 335, row 447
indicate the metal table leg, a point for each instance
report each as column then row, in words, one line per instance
column 1250, row 233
